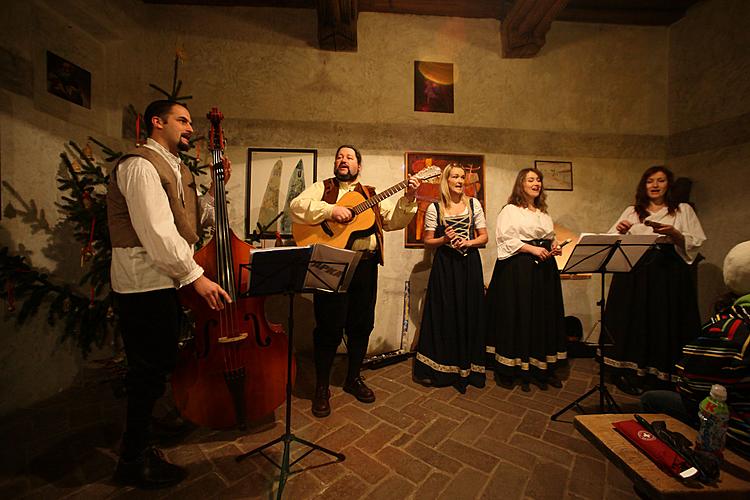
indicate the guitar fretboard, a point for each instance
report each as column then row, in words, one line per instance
column 371, row 202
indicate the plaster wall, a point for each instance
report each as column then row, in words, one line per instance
column 595, row 96
column 709, row 85
column 709, row 65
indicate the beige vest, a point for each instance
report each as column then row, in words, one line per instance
column 186, row 215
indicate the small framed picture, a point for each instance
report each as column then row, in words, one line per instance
column 68, row 81
column 558, row 175
column 274, row 178
column 433, row 87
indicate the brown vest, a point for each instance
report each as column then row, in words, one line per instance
column 186, row 215
column 331, row 193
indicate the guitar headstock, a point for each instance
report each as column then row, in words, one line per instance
column 429, row 173
column 215, row 134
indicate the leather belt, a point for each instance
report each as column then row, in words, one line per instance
column 547, row 244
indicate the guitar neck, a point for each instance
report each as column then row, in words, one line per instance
column 371, row 202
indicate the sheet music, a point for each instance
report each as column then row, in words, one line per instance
column 592, row 250
column 631, row 249
column 275, row 269
column 327, row 264
column 589, row 252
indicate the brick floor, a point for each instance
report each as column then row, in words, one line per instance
column 413, row 442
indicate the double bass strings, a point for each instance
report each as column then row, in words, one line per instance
column 228, row 326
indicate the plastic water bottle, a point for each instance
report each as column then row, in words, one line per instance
column 713, row 416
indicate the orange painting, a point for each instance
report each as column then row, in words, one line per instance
column 429, row 191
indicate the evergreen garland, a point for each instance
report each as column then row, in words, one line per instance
column 87, row 317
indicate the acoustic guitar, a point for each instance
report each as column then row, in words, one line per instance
column 338, row 235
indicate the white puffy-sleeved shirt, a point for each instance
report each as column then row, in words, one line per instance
column 516, row 225
column 431, row 217
column 684, row 220
column 165, row 260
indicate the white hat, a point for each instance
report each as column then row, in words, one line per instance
column 737, row 268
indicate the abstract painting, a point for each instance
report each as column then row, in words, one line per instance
column 274, row 178
column 429, row 191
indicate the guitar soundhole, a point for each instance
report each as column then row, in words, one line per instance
column 326, row 229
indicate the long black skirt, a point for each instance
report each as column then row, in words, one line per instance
column 450, row 349
column 525, row 317
column 651, row 313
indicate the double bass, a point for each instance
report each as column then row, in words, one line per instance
column 235, row 368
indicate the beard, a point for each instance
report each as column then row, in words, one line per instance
column 347, row 177
column 183, row 146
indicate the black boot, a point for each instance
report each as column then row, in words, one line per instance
column 320, row 405
column 150, row 470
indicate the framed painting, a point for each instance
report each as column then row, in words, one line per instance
column 429, row 191
column 433, row 87
column 274, row 178
column 558, row 175
column 68, row 81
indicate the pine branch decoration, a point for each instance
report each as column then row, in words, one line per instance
column 88, row 318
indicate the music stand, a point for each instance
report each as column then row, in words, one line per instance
column 601, row 254
column 287, row 271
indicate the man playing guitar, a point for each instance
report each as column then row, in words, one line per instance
column 352, row 312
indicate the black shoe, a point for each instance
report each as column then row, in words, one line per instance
column 504, row 381
column 460, row 386
column 149, row 471
column 359, row 390
column 541, row 383
column 427, row 382
column 625, row 385
column 555, row 382
column 320, row 405
column 525, row 386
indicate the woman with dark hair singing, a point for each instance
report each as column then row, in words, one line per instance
column 451, row 339
column 525, row 317
column 653, row 310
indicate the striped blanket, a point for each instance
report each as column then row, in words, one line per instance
column 721, row 355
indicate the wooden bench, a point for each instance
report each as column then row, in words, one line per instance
column 648, row 479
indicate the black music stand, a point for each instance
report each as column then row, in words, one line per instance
column 601, row 254
column 287, row 271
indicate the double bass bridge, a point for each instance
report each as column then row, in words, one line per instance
column 237, row 338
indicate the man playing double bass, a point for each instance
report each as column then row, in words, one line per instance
column 352, row 312
column 155, row 216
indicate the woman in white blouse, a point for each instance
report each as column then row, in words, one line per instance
column 525, row 317
column 450, row 350
column 653, row 310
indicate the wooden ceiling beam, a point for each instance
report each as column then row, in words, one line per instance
column 337, row 25
column 644, row 17
column 524, row 25
column 450, row 8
